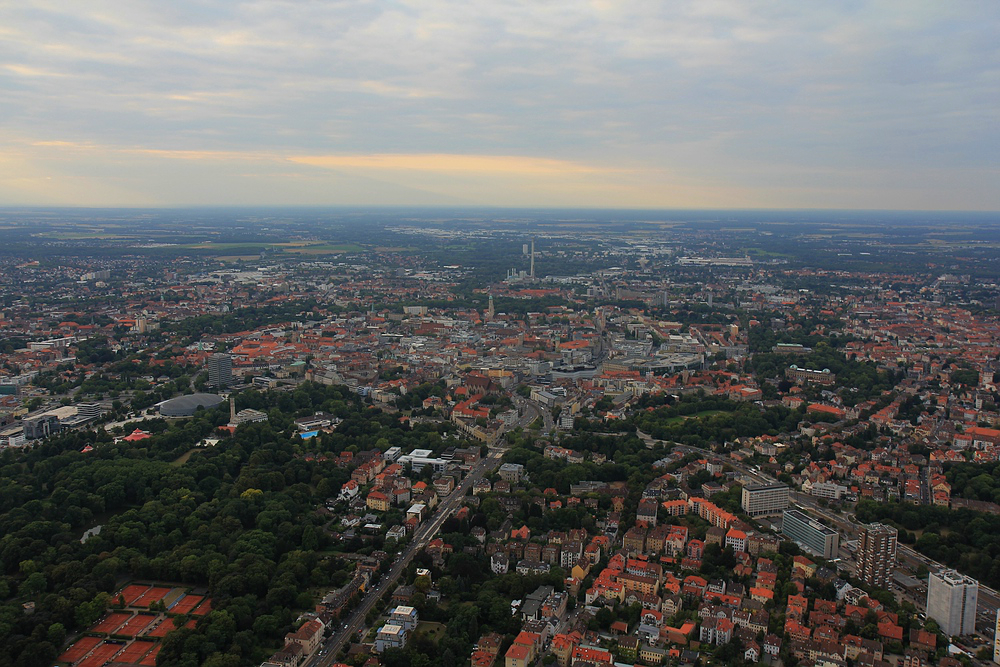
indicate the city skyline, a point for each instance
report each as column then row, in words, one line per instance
column 610, row 105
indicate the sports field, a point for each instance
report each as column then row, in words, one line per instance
column 186, row 604
column 134, row 651
column 112, row 622
column 135, row 625
column 102, row 654
column 81, row 648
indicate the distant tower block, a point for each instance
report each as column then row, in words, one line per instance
column 531, row 273
column 492, row 311
column 220, row 370
column 524, row 249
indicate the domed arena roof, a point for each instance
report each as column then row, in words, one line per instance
column 185, row 406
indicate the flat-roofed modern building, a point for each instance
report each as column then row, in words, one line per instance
column 405, row 616
column 828, row 490
column 418, row 459
column 951, row 601
column 765, row 499
column 809, row 533
column 89, row 410
column 876, row 554
column 996, row 640
column 220, row 370
column 390, row 635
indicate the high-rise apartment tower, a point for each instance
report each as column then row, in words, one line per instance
column 876, row 554
column 220, row 370
column 951, row 601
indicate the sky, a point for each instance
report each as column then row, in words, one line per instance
column 541, row 103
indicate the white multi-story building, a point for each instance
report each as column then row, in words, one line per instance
column 404, row 616
column 419, row 458
column 951, row 601
column 996, row 640
column 390, row 635
column 765, row 499
column 818, row 539
column 826, row 490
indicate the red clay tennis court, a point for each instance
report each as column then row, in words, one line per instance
column 135, row 625
column 150, row 659
column 186, row 604
column 133, row 592
column 79, row 649
column 203, row 608
column 154, row 594
column 163, row 629
column 101, row 654
column 134, row 651
column 111, row 622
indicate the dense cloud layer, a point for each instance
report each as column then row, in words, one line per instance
column 606, row 103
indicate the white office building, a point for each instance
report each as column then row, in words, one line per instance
column 220, row 370
column 826, row 490
column 996, row 640
column 418, row 459
column 809, row 533
column 951, row 601
column 765, row 499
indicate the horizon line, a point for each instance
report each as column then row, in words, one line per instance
column 482, row 207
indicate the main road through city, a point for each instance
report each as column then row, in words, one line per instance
column 327, row 654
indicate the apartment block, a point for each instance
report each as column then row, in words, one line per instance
column 951, row 601
column 765, row 499
column 876, row 554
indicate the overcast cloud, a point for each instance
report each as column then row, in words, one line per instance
column 541, row 103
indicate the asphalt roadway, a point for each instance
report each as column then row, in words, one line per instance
column 989, row 599
column 327, row 653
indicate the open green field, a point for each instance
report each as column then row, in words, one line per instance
column 195, row 242
column 182, row 459
column 87, row 236
column 325, row 248
column 237, row 258
column 697, row 415
column 761, row 253
column 432, row 631
column 299, row 247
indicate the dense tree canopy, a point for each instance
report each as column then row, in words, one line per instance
column 239, row 518
column 961, row 539
column 720, row 419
